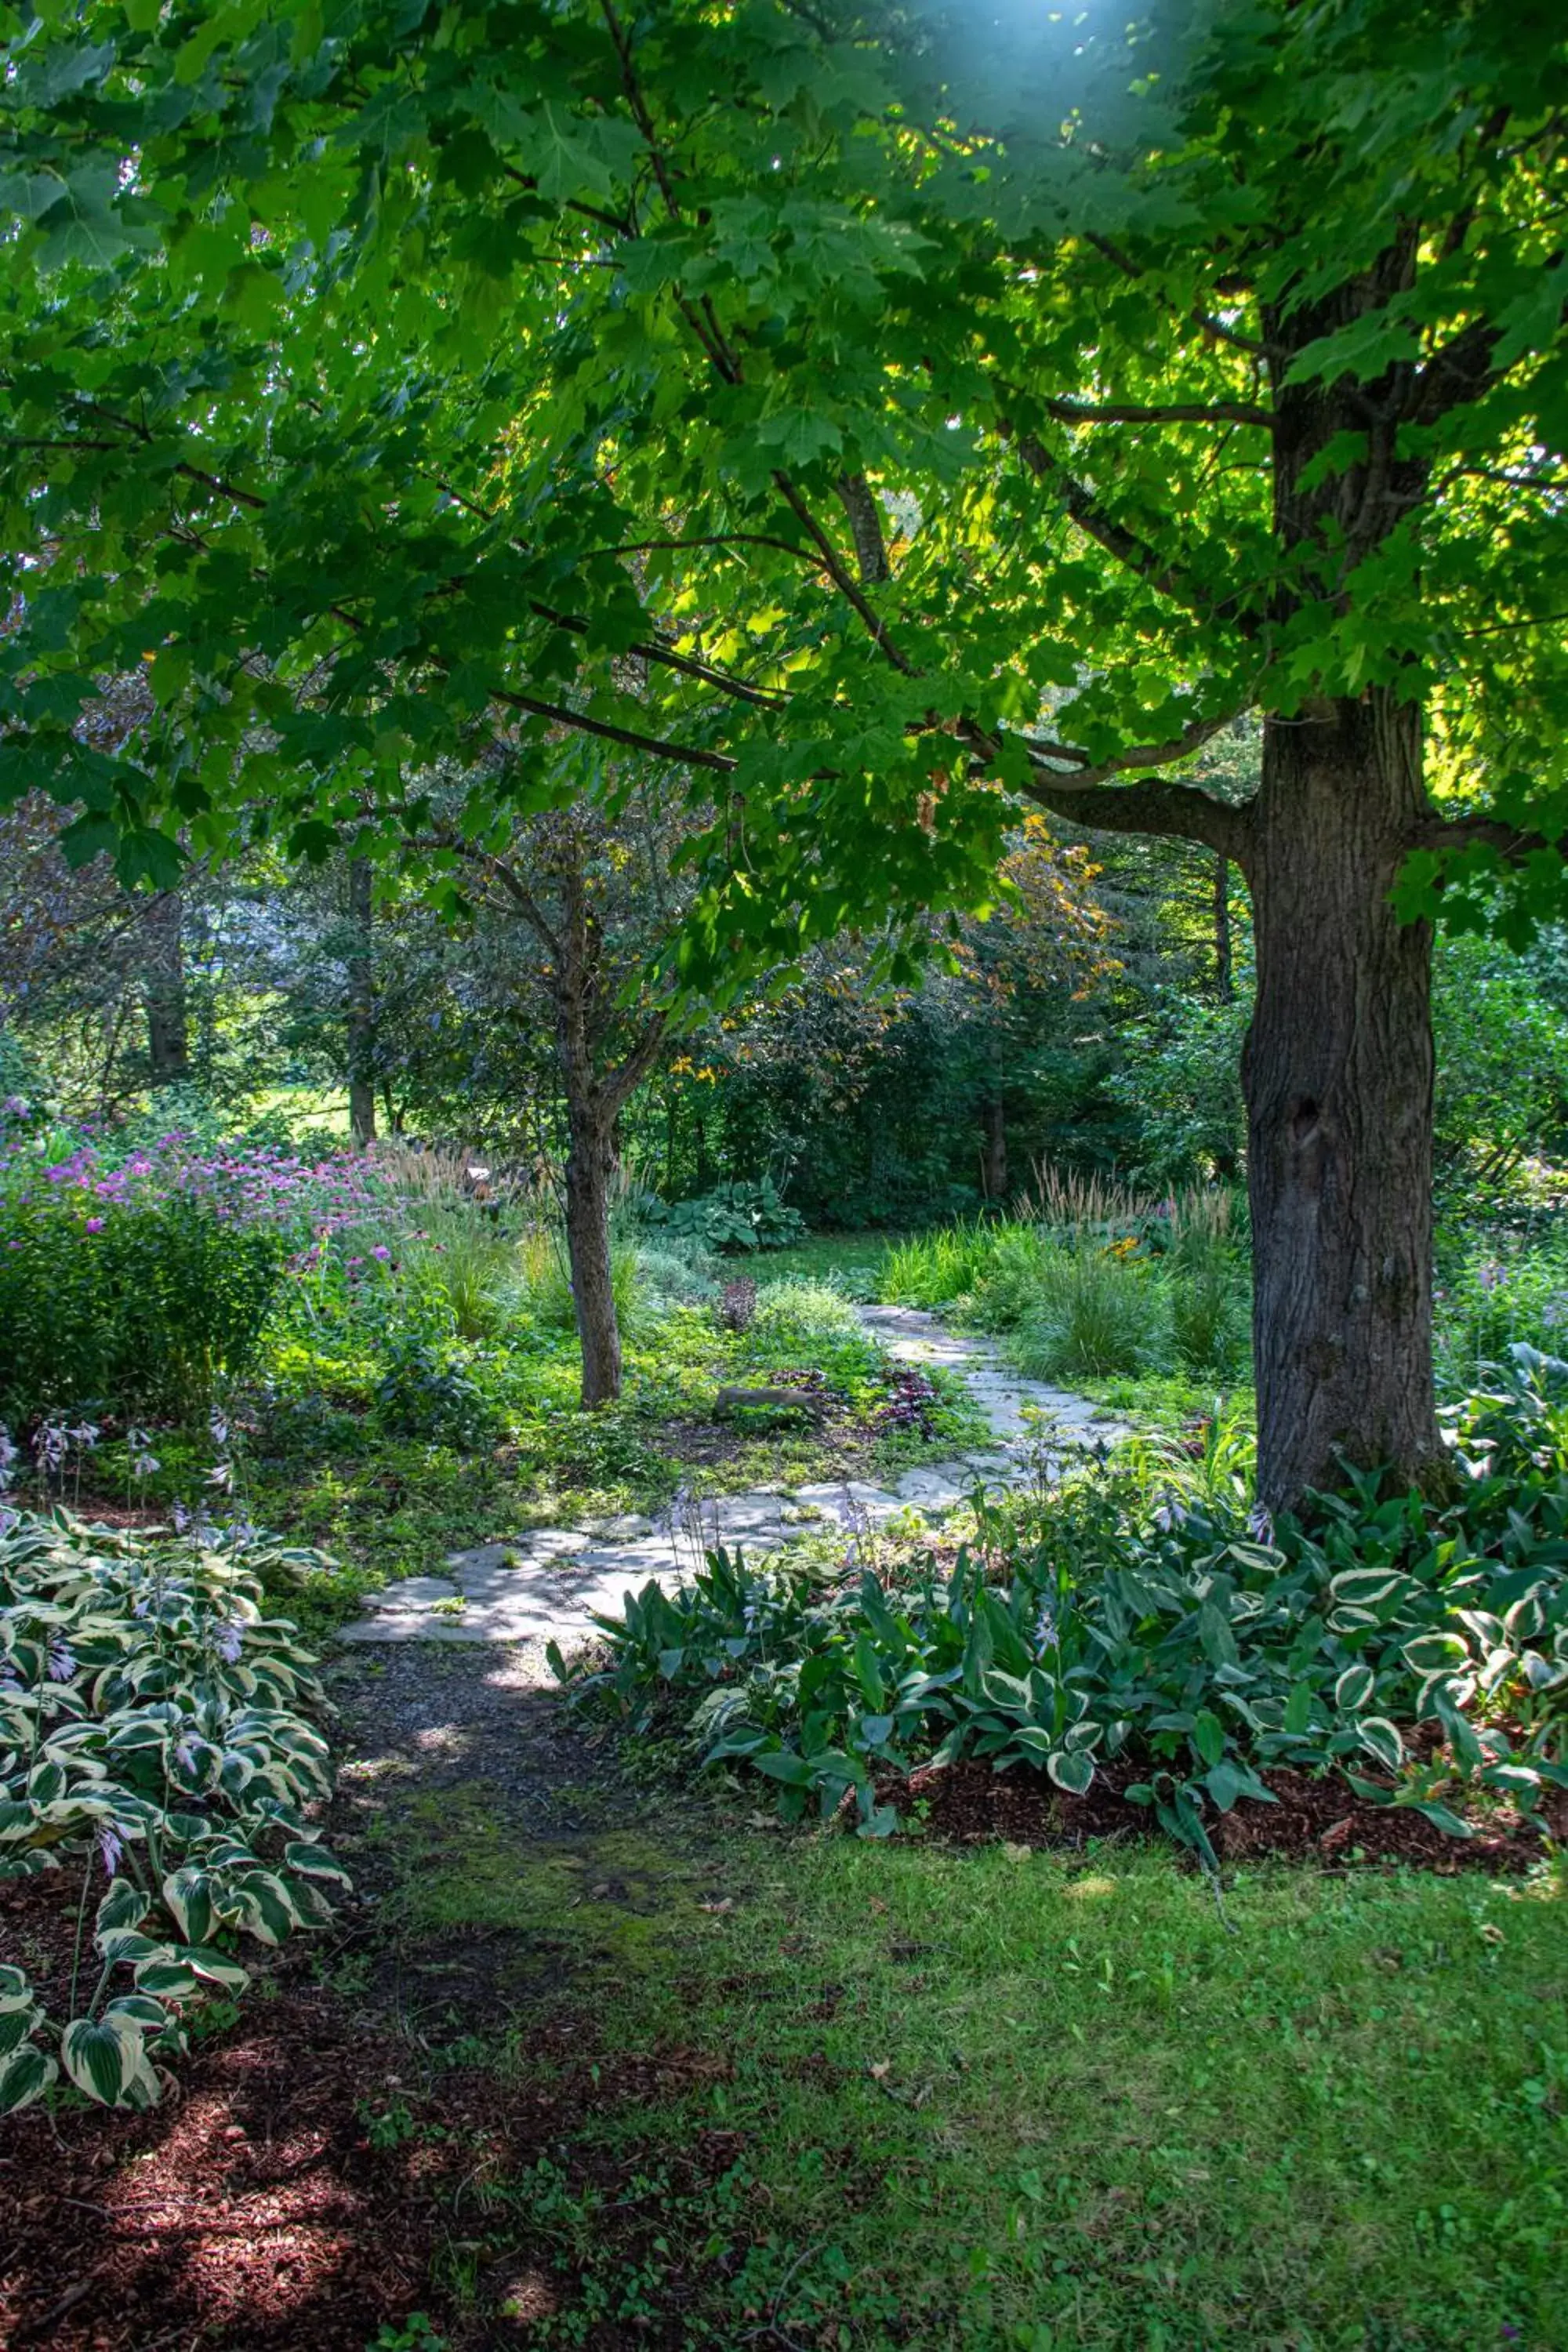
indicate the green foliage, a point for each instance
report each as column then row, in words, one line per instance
column 739, row 1215
column 1093, row 1313
column 934, row 1269
column 1092, row 1296
column 431, row 1390
column 799, row 1314
column 154, row 1725
column 144, row 1306
column 1186, row 1647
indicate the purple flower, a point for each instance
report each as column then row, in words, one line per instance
column 93, row 1225
column 62, row 1662
column 382, row 1252
column 109, row 1848
column 228, row 1641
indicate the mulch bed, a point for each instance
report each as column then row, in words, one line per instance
column 292, row 2191
column 1314, row 1819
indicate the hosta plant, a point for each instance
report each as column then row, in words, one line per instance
column 159, row 1735
column 1415, row 1652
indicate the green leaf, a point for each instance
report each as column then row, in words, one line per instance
column 1208, row 1736
column 1071, row 1769
column 124, row 1906
column 24, row 2075
column 1353, row 1689
column 1381, row 1741
column 100, row 2055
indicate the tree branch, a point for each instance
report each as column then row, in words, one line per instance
column 1179, row 811
column 1125, row 546
column 1194, row 412
column 1433, row 831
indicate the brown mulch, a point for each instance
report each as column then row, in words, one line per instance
column 1313, row 1819
column 293, row 2190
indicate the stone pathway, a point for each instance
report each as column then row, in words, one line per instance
column 550, row 1584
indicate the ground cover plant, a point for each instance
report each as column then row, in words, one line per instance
column 160, row 1746
column 1422, row 1652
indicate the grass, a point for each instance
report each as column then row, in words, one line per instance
column 853, row 1261
column 917, row 2097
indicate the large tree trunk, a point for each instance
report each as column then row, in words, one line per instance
column 361, row 1006
column 164, row 993
column 589, row 1169
column 1338, row 1079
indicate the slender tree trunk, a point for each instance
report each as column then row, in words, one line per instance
column 1338, row 1078
column 589, row 1163
column 1225, row 982
column 362, row 1005
column 994, row 1158
column 164, row 993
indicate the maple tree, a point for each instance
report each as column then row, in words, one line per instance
column 877, row 421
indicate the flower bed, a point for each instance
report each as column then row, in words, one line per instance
column 159, row 1737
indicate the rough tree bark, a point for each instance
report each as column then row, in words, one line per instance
column 589, row 1164
column 360, row 1006
column 1337, row 1073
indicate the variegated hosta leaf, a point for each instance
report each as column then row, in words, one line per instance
column 26, row 2073
column 102, row 2056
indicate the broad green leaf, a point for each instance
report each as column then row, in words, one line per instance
column 100, row 2055
column 26, row 2073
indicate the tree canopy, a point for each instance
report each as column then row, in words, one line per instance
column 775, row 389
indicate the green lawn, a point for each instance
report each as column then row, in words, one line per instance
column 875, row 2097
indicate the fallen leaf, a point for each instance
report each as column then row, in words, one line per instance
column 879, row 2069
column 727, row 1903
column 1017, row 1852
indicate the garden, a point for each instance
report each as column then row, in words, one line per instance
column 783, row 1180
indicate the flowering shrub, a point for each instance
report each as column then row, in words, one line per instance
column 157, row 1730
column 138, row 1282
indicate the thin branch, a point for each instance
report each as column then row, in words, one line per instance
column 1513, row 847
column 1216, row 328
column 1128, row 549
column 1194, row 412
column 840, row 575
column 688, row 754
column 1192, row 737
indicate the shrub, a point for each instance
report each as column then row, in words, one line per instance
column 429, row 1390
column 140, row 1280
column 144, row 1305
column 154, row 1725
column 800, row 1313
